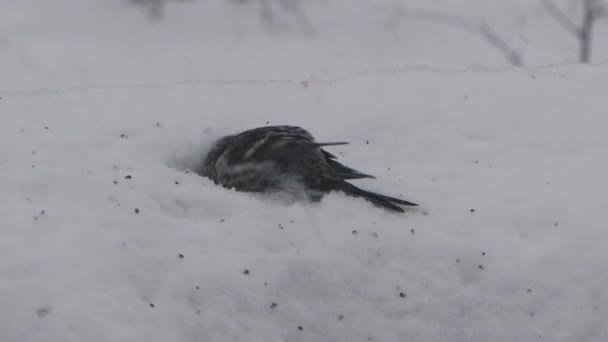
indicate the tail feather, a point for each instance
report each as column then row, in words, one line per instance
column 345, row 172
column 376, row 199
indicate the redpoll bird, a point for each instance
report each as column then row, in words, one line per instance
column 285, row 159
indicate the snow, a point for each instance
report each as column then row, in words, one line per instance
column 508, row 165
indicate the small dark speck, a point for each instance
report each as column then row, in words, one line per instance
column 366, row 142
column 291, row 221
column 222, row 220
column 300, row 327
column 265, row 283
column 136, row 210
column 158, row 124
column 115, row 182
column 354, row 232
column 556, row 224
column 33, row 152
column 402, row 295
column 152, row 305
column 480, row 267
column 457, row 260
column 46, row 127
column 280, row 226
column 124, row 136
column 180, row 255
column 273, row 305
column 33, row 166
column 267, row 122
column 42, row 312
column 472, row 210
column 476, row 162
column 128, row 177
column 198, row 312
column 369, row 339
column 425, row 213
column 532, row 314
column 388, row 168
column 412, row 230
column 198, row 287
column 341, row 317
column 483, row 253
column 375, row 235
column 246, row 272
column 176, row 183
column 42, row 212
column 529, row 290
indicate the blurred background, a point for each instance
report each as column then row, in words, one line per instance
column 68, row 43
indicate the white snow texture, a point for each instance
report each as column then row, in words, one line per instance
column 105, row 236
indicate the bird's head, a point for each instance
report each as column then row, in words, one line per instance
column 218, row 148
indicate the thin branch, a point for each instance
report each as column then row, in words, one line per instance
column 471, row 26
column 561, row 17
column 493, row 38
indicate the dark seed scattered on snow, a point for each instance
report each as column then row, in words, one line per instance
column 280, row 226
column 300, row 327
column 124, row 136
column 128, row 177
column 402, row 295
column 457, row 260
column 246, row 272
column 42, row 212
column 151, row 305
column 366, row 142
column 480, row 267
column 375, row 235
column 41, row 312
column 115, row 182
column 472, row 210
column 273, row 305
column 198, row 288
column 556, row 224
column 158, row 124
column 180, row 255
column 412, row 230
column 136, row 210
column 341, row 317
column 529, row 290
column 222, row 220
column 355, row 232
column 46, row 127
column 176, row 183
column 483, row 253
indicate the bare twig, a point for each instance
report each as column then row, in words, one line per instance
column 476, row 27
column 561, row 17
column 493, row 38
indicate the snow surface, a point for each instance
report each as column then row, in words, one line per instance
column 509, row 167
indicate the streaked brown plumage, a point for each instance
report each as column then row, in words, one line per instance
column 285, row 159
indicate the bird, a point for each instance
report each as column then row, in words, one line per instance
column 285, row 159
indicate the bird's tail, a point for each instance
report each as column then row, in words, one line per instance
column 379, row 200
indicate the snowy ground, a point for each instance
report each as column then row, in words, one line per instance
column 106, row 237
